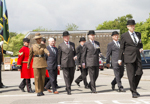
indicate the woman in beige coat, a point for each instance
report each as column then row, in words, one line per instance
column 39, row 63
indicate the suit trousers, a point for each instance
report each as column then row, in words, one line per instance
column 68, row 73
column 39, row 77
column 27, row 83
column 53, row 78
column 118, row 72
column 1, row 84
column 93, row 73
column 84, row 73
column 133, row 78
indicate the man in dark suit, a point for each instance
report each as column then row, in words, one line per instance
column 66, row 57
column 1, row 58
column 52, row 65
column 113, row 52
column 90, row 59
column 130, row 47
column 84, row 72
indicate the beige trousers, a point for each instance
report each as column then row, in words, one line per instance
column 39, row 77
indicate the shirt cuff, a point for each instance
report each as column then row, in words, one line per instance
column 58, row 65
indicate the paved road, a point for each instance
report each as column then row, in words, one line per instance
column 80, row 95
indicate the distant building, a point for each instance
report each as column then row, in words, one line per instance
column 102, row 36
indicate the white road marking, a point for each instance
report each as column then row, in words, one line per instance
column 60, row 94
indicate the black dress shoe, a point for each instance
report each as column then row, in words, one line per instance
column 113, row 87
column 94, row 92
column 58, row 87
column 3, row 86
column 31, row 91
column 42, row 93
column 138, row 94
column 69, row 93
column 121, row 90
column 39, row 94
column 22, row 89
column 134, row 95
column 77, row 83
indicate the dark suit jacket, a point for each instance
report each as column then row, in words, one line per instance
column 79, row 54
column 52, row 59
column 128, row 47
column 90, row 54
column 113, row 51
column 66, row 55
column 1, row 54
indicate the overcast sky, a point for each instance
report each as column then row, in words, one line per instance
column 26, row 15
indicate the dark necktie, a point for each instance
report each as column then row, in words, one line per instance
column 53, row 50
column 118, row 44
column 93, row 43
column 134, row 39
column 67, row 44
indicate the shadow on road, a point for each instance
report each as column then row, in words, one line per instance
column 9, row 90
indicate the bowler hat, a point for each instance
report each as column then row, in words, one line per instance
column 82, row 39
column 66, row 33
column 114, row 33
column 131, row 22
column 91, row 32
column 26, row 40
column 37, row 36
column 44, row 40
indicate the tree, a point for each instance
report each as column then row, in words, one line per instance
column 71, row 27
column 12, row 34
column 15, row 43
column 40, row 28
column 119, row 23
column 144, row 29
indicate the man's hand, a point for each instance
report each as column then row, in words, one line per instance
column 108, row 65
column 83, row 66
column 75, row 58
column 48, row 54
column 58, row 67
column 19, row 69
column 141, row 50
column 79, row 65
column 28, row 67
column 120, row 62
column 100, row 54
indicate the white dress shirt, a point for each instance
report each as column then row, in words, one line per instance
column 67, row 44
column 137, row 39
column 117, row 43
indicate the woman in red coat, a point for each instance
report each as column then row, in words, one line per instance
column 26, row 73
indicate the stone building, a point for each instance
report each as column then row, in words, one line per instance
column 102, row 36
